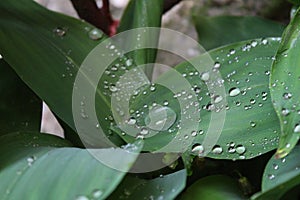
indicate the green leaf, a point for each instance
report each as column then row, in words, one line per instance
column 217, row 187
column 166, row 187
column 221, row 30
column 280, row 176
column 139, row 14
column 19, row 107
column 296, row 2
column 46, row 50
column 244, row 69
column 34, row 167
column 284, row 87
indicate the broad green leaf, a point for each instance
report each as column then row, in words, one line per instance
column 138, row 14
column 166, row 187
column 284, row 87
column 19, row 107
column 46, row 50
column 244, row 70
column 221, row 30
column 38, row 166
column 217, row 187
column 280, row 176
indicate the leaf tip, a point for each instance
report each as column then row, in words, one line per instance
column 280, row 153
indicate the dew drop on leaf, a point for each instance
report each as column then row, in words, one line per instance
column 160, row 118
column 240, row 149
column 217, row 149
column 95, row 34
column 97, row 193
column 198, row 148
column 131, row 121
column 297, row 128
column 205, row 76
column 287, row 95
column 60, row 31
column 81, row 197
column 234, row 92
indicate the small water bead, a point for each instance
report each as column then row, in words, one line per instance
column 194, row 133
column 254, row 43
column 252, row 124
column 232, row 51
column 217, row 149
column 30, row 160
column 264, row 41
column 234, row 92
column 97, row 193
column 144, row 131
column 275, row 166
column 60, row 31
column 113, row 88
column 297, row 128
column 231, row 149
column 160, row 118
column 240, row 149
column 95, row 34
column 287, row 95
column 131, row 121
column 252, row 101
column 81, row 197
column 152, row 88
column 285, row 112
column 198, row 148
column 205, row 76
column 129, row 62
column 217, row 65
column 218, row 99
column 271, row 176
column 197, row 90
column 1, row 57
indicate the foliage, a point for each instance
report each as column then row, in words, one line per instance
column 241, row 104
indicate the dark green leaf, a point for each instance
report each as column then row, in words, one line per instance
column 284, row 87
column 33, row 167
column 245, row 69
column 19, row 107
column 217, row 187
column 139, row 14
column 166, row 187
column 46, row 50
column 217, row 31
column 280, row 176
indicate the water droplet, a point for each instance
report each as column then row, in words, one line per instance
column 30, row 160
column 287, row 95
column 217, row 65
column 271, row 176
column 205, row 76
column 231, row 149
column 60, row 31
column 160, row 118
column 113, row 88
column 81, row 197
column 275, row 166
column 95, row 34
column 194, row 133
column 285, row 112
column 144, row 131
column 232, row 51
column 217, row 149
column 234, row 92
column 198, row 148
column 252, row 124
column 1, row 57
column 97, row 193
column 131, row 121
column 197, row 90
column 254, row 43
column 218, row 99
column 297, row 128
column 264, row 41
column 152, row 88
column 240, row 149
column 128, row 62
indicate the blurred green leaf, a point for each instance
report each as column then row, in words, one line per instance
column 296, row 2
column 217, row 187
column 165, row 187
column 139, row 14
column 244, row 70
column 35, row 166
column 284, row 87
column 20, row 108
column 221, row 30
column 46, row 50
column 280, row 176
